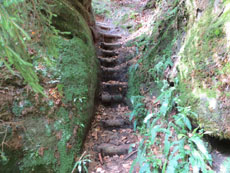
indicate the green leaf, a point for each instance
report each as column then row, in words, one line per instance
column 23, row 32
column 167, row 145
column 154, row 121
column 172, row 164
column 181, row 136
column 164, row 107
column 7, row 3
column 135, row 125
column 148, row 117
column 154, row 131
column 145, row 168
column 201, row 147
column 196, row 161
column 187, row 122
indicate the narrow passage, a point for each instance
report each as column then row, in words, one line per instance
column 111, row 141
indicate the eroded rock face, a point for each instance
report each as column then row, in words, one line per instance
column 196, row 39
column 46, row 134
column 203, row 69
column 200, row 57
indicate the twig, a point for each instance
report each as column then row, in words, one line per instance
column 100, row 158
column 11, row 123
column 221, row 12
column 130, row 155
column 3, row 141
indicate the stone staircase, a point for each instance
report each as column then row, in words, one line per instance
column 111, row 133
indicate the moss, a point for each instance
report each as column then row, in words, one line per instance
column 68, row 19
column 78, row 85
column 33, row 162
column 55, row 133
column 134, row 82
column 11, row 162
column 159, row 48
column 66, row 158
column 201, row 71
column 167, row 30
column 202, row 68
column 83, row 10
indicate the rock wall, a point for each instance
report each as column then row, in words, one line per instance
column 204, row 66
column 189, row 47
column 45, row 134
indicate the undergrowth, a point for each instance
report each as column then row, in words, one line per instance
column 101, row 7
column 170, row 144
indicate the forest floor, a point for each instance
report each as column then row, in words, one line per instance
column 111, row 142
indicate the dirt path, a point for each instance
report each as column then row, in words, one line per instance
column 111, row 141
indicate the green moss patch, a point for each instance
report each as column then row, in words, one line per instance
column 204, row 70
column 53, row 129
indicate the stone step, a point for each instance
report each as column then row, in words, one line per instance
column 116, row 123
column 110, row 46
column 111, row 149
column 111, row 62
column 108, row 98
column 118, row 78
column 108, row 53
column 104, row 26
column 115, row 88
column 118, row 68
column 109, row 35
column 108, row 62
column 110, row 70
column 117, row 75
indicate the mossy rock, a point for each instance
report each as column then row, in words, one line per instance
column 52, row 135
column 204, row 72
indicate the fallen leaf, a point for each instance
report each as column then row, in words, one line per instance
column 59, row 135
column 186, row 147
column 69, row 146
column 41, row 151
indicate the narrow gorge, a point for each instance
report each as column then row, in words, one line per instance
column 114, row 86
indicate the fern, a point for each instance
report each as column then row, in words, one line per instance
column 201, row 147
column 173, row 163
column 7, row 3
column 13, row 46
column 15, row 41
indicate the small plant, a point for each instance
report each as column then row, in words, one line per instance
column 138, row 112
column 166, row 98
column 100, row 8
column 3, row 157
column 80, row 165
